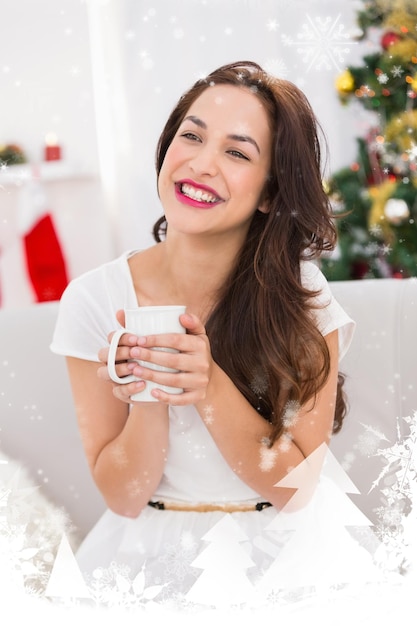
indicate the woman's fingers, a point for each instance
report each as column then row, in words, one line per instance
column 175, row 360
column 188, row 355
column 124, row 366
column 124, row 392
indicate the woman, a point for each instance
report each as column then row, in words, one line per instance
column 245, row 215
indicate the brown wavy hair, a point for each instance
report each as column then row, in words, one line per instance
column 261, row 330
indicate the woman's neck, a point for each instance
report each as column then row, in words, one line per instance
column 198, row 268
column 183, row 270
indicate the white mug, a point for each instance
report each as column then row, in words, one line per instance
column 142, row 321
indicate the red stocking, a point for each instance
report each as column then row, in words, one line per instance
column 45, row 261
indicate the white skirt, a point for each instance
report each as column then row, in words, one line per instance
column 222, row 559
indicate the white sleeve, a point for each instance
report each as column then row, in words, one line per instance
column 87, row 312
column 329, row 315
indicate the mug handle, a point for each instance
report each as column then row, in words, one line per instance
column 111, row 365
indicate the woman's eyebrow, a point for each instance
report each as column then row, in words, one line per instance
column 198, row 122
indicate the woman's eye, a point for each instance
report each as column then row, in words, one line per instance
column 190, row 136
column 238, row 154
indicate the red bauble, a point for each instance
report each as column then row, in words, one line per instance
column 359, row 270
column 388, row 39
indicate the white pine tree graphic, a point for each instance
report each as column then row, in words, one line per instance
column 319, row 552
column 66, row 583
column 223, row 582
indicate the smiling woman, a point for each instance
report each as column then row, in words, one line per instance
column 245, row 216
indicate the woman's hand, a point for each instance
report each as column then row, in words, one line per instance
column 192, row 359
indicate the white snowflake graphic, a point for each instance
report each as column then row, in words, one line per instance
column 30, row 530
column 322, row 42
column 208, row 414
column 259, row 383
column 115, row 587
column 276, row 67
column 397, row 482
column 370, row 440
column 177, row 558
column 401, row 458
column 272, row 25
column 383, row 78
column 134, row 488
column 120, row 456
column 291, row 414
column 268, row 459
column 397, row 71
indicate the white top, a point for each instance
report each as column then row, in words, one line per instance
column 195, row 470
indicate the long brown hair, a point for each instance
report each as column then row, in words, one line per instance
column 261, row 330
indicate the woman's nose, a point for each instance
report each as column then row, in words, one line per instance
column 205, row 161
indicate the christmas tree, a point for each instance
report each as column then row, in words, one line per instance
column 375, row 197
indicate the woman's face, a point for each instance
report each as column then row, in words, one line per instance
column 216, row 166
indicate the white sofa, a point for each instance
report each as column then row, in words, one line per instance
column 38, row 427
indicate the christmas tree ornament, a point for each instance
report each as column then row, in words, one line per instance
column 396, row 210
column 413, row 83
column 345, row 83
column 377, row 218
column 388, row 39
column 12, row 154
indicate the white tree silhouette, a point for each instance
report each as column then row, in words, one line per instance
column 223, row 582
column 66, row 582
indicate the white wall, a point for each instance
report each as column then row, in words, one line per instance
column 45, row 78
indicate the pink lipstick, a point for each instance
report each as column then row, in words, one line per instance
column 196, row 195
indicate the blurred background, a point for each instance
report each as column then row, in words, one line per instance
column 86, row 86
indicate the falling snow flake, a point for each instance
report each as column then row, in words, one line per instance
column 291, row 414
column 272, row 25
column 268, row 459
column 276, row 67
column 397, row 71
column 259, row 383
column 369, row 441
column 383, row 79
column 208, row 414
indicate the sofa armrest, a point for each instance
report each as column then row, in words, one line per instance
column 381, row 378
column 38, row 426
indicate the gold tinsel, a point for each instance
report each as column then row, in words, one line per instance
column 404, row 49
column 402, row 130
column 406, row 6
column 376, row 220
column 400, row 20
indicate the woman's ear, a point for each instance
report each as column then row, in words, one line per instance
column 264, row 207
column 264, row 204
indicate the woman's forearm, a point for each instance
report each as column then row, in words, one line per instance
column 242, row 436
column 129, row 468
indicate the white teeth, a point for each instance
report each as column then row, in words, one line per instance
column 197, row 194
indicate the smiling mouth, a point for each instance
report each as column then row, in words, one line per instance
column 199, row 195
